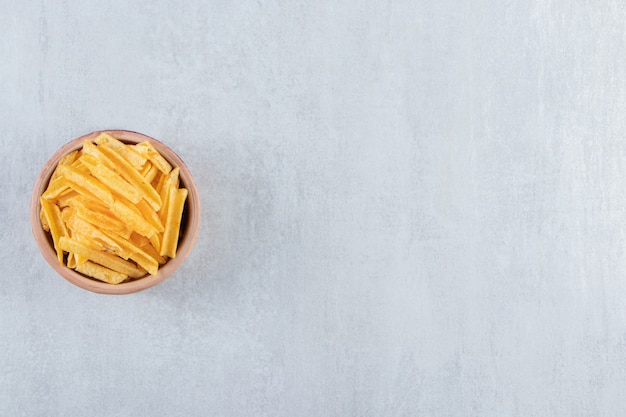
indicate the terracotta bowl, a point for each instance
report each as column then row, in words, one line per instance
column 190, row 223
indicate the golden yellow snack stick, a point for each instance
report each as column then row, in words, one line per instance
column 71, row 260
column 86, row 182
column 155, row 241
column 146, row 149
column 172, row 226
column 44, row 220
column 100, row 272
column 66, row 198
column 116, row 183
column 157, row 183
column 103, row 221
column 127, row 152
column 105, row 259
column 150, row 250
column 57, row 227
column 150, row 172
column 68, row 159
column 80, row 226
column 132, row 220
column 136, row 254
column 56, row 187
column 150, row 215
column 171, row 181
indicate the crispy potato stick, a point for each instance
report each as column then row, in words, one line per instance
column 130, row 205
column 56, row 187
column 157, row 182
column 172, row 226
column 82, row 191
column 138, row 240
column 94, row 151
column 149, row 172
column 90, row 242
column 100, row 272
column 97, row 213
column 89, row 202
column 131, row 175
column 110, row 178
column 133, row 220
column 80, row 226
column 78, row 164
column 71, row 257
column 65, row 160
column 146, row 149
column 146, row 245
column 84, row 181
column 150, row 215
column 116, row 183
column 150, row 250
column 136, row 254
column 66, row 198
column 174, row 177
column 70, row 158
column 66, row 214
column 170, row 181
column 80, row 259
column 155, row 241
column 57, row 227
column 103, row 221
column 88, row 160
column 127, row 152
column 44, row 220
column 105, row 259
column 71, row 260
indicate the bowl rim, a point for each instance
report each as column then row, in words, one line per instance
column 186, row 244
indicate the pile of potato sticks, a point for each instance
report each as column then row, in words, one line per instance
column 114, row 210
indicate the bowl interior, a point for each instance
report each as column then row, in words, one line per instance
column 190, row 221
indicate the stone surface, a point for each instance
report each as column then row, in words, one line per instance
column 410, row 208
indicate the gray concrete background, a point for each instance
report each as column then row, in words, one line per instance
column 410, row 208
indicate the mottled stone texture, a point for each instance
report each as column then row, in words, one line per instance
column 410, row 208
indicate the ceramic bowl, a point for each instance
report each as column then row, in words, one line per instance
column 190, row 223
